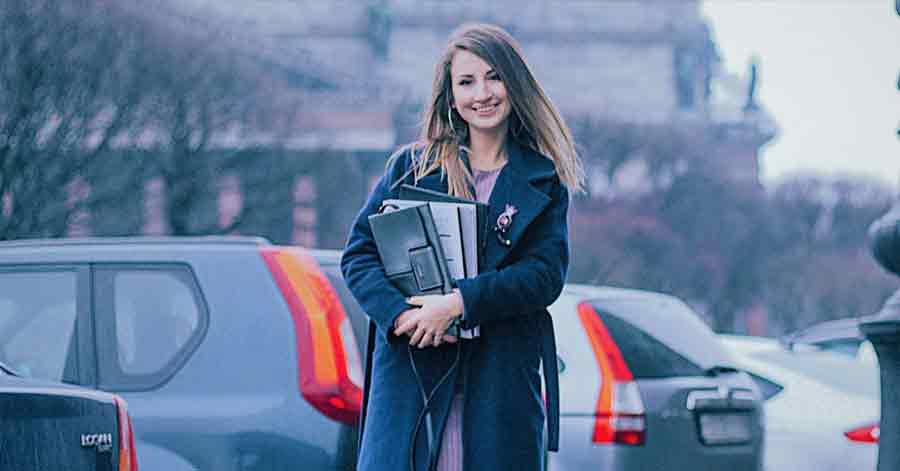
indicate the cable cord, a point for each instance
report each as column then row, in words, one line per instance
column 425, row 414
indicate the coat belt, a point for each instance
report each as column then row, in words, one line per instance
column 551, row 380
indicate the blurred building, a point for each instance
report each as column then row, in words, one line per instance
column 361, row 70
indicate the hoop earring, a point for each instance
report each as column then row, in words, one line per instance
column 450, row 119
column 517, row 128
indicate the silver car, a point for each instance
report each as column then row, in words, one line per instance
column 646, row 385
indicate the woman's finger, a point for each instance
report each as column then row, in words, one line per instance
column 416, row 336
column 438, row 339
column 450, row 338
column 405, row 326
column 427, row 339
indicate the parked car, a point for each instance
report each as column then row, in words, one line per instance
column 233, row 354
column 822, row 408
column 646, row 385
column 46, row 425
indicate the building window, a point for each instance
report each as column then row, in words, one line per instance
column 77, row 193
column 231, row 201
column 686, row 66
column 304, row 215
column 154, row 207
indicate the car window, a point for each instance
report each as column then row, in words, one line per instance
column 671, row 323
column 151, row 316
column 155, row 315
column 646, row 356
column 38, row 324
column 840, row 372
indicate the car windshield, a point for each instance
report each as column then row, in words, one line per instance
column 834, row 370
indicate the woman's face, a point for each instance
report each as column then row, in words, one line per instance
column 478, row 93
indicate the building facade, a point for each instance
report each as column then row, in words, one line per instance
column 360, row 71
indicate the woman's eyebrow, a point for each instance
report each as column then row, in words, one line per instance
column 487, row 72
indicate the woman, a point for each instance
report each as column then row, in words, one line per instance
column 490, row 134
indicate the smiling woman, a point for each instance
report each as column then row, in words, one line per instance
column 491, row 134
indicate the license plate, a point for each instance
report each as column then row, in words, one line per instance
column 725, row 428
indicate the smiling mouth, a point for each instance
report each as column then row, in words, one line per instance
column 485, row 110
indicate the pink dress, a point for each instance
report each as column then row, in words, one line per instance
column 451, row 457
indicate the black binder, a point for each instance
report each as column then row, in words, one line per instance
column 410, row 250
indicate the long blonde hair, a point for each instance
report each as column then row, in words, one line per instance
column 534, row 122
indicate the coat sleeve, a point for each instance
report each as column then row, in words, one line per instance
column 361, row 265
column 534, row 280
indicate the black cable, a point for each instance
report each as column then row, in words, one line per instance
column 424, row 413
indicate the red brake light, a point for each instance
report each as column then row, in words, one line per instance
column 329, row 366
column 620, row 410
column 866, row 434
column 127, row 453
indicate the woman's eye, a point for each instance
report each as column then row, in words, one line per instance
column 465, row 82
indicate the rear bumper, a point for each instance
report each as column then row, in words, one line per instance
column 577, row 452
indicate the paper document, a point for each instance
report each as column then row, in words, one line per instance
column 468, row 222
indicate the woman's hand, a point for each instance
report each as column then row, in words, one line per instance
column 427, row 324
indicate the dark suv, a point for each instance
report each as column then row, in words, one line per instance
column 233, row 354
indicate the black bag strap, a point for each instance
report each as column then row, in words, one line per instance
column 367, row 382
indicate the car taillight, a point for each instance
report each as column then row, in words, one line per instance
column 866, row 434
column 330, row 375
column 127, row 453
column 620, row 411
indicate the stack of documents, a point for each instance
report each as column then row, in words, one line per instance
column 457, row 225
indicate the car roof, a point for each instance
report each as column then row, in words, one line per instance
column 122, row 249
column 133, row 240
column 611, row 293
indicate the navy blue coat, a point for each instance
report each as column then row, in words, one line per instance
column 503, row 418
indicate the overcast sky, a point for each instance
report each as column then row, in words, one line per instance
column 828, row 74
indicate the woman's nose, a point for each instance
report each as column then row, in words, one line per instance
column 482, row 91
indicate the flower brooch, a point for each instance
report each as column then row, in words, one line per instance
column 503, row 223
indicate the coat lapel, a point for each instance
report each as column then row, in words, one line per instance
column 514, row 187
